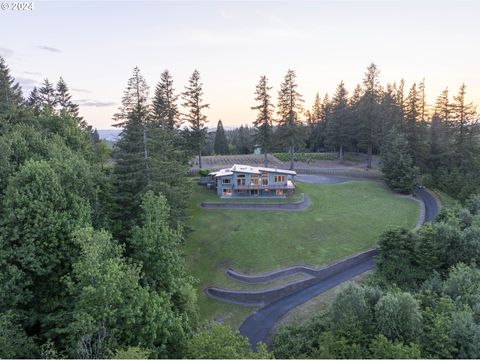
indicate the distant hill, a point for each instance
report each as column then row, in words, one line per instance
column 110, row 135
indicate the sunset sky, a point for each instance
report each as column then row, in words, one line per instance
column 95, row 45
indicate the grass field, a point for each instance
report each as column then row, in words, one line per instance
column 343, row 219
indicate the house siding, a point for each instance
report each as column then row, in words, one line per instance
column 270, row 189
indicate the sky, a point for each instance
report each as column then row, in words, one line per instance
column 94, row 46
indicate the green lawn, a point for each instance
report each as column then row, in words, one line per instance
column 343, row 219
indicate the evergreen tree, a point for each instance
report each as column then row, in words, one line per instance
column 369, row 110
column 315, row 121
column 464, row 131
column 289, row 109
column 10, row 91
column 397, row 164
column 220, row 146
column 193, row 102
column 33, row 101
column 390, row 114
column 46, row 96
column 65, row 104
column 338, row 128
column 415, row 129
column 165, row 112
column 131, row 170
column 263, row 122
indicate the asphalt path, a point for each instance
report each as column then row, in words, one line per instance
column 258, row 326
column 431, row 205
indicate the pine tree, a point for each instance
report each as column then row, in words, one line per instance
column 66, row 106
column 193, row 102
column 10, row 92
column 131, row 170
column 397, row 164
column 464, row 117
column 355, row 107
column 220, row 146
column 369, row 110
column 165, row 112
column 46, row 96
column 338, row 128
column 289, row 109
column 414, row 128
column 263, row 122
column 390, row 114
column 33, row 100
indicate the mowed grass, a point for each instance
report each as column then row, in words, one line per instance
column 343, row 219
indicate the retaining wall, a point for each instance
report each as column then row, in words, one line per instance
column 255, row 298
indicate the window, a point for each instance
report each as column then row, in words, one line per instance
column 279, row 178
column 227, row 192
column 227, row 181
column 241, row 180
column 264, row 178
column 254, row 180
column 279, row 192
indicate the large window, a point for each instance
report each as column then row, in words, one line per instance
column 241, row 180
column 279, row 178
column 264, row 178
column 254, row 180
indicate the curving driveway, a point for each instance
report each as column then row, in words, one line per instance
column 258, row 326
column 431, row 204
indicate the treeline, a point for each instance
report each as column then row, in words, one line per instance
column 422, row 301
column 437, row 144
column 90, row 265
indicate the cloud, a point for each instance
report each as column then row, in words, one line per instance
column 31, row 73
column 27, row 82
column 48, row 48
column 94, row 103
column 80, row 90
column 5, row 52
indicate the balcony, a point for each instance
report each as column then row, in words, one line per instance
column 288, row 185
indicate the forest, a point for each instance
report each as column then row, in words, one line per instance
column 90, row 265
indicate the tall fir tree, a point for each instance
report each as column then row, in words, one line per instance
column 355, row 108
column 46, row 96
column 414, row 128
column 264, row 120
column 289, row 110
column 165, row 113
column 465, row 129
column 65, row 104
column 131, row 169
column 10, row 91
column 339, row 127
column 369, row 110
column 193, row 102
column 220, row 145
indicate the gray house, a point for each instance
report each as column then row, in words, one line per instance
column 244, row 180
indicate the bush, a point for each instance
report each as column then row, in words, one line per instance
column 203, row 172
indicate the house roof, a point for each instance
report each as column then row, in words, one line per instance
column 250, row 170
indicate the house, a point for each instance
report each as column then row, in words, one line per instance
column 244, row 180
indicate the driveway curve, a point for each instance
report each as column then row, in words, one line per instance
column 258, row 326
column 431, row 204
